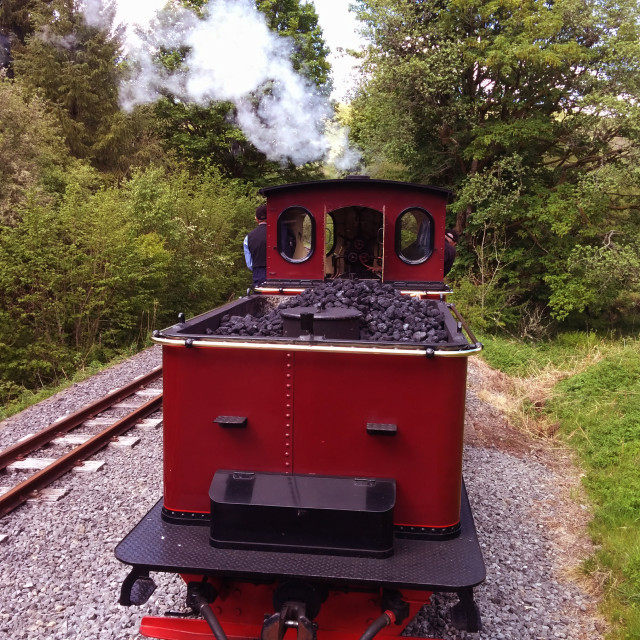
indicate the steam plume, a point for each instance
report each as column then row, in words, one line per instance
column 232, row 56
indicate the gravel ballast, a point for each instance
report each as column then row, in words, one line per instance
column 60, row 578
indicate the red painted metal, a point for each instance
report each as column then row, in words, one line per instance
column 390, row 198
column 181, row 629
column 241, row 608
column 307, row 412
column 201, row 384
column 336, row 395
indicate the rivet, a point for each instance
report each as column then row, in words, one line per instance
column 287, row 464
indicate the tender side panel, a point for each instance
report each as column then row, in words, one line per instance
column 415, row 409
column 201, row 385
column 338, row 414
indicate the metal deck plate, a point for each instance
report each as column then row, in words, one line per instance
column 446, row 565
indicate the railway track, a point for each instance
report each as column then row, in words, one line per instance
column 82, row 446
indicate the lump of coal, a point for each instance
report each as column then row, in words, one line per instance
column 387, row 315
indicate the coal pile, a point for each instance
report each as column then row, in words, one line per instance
column 387, row 315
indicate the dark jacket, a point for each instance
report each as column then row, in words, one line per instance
column 257, row 241
column 449, row 256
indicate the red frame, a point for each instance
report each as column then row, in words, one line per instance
column 390, row 198
column 240, row 610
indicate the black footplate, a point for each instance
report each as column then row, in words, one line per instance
column 432, row 565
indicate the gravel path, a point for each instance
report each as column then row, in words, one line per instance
column 60, row 578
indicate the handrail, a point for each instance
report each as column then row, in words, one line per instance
column 318, row 346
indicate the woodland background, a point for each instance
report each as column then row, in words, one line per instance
column 113, row 221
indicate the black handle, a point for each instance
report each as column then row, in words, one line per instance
column 235, row 422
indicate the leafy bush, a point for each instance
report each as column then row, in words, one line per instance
column 595, row 278
column 85, row 277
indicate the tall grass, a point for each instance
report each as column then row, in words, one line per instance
column 591, row 398
column 599, row 412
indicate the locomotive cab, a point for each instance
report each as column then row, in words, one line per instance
column 313, row 431
column 355, row 228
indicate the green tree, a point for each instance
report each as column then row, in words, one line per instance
column 298, row 20
column 35, row 160
column 209, row 135
column 73, row 66
column 202, row 220
column 75, row 279
column 100, row 268
column 76, row 69
column 16, row 20
column 521, row 108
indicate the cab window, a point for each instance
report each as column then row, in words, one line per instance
column 296, row 234
column 414, row 236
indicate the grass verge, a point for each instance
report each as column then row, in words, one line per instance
column 587, row 390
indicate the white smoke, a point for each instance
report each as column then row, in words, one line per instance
column 232, row 56
column 47, row 35
column 341, row 154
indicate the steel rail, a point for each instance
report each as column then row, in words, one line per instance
column 66, row 424
column 39, row 480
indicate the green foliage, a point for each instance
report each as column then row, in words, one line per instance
column 35, row 159
column 487, row 306
column 206, row 137
column 74, row 67
column 520, row 358
column 75, row 70
column 202, row 220
column 599, row 413
column 74, row 281
column 595, row 278
column 530, row 112
column 103, row 267
column 16, row 20
column 299, row 21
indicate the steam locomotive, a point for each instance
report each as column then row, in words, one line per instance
column 313, row 469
